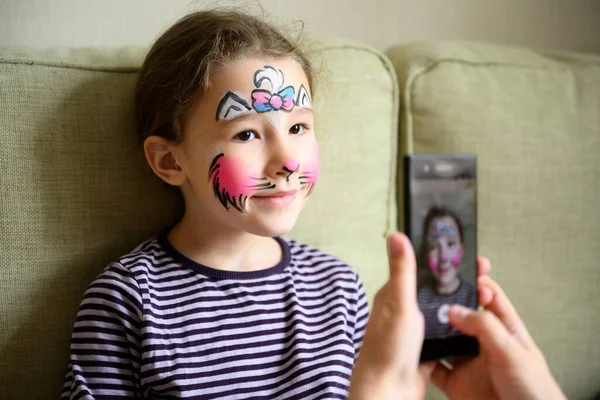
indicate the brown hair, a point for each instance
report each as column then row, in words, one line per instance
column 178, row 67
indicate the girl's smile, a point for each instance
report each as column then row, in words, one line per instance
column 280, row 199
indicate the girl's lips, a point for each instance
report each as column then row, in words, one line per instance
column 444, row 270
column 280, row 199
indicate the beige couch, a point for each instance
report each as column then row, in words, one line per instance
column 74, row 192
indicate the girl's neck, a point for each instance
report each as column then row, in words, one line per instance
column 449, row 288
column 214, row 245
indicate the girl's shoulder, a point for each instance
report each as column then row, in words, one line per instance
column 149, row 252
column 306, row 251
column 426, row 293
column 469, row 294
column 149, row 259
column 120, row 280
column 467, row 287
column 307, row 258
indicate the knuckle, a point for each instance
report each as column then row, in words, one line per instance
column 379, row 296
column 487, row 317
column 484, row 320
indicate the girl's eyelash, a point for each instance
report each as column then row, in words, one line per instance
column 305, row 127
column 236, row 136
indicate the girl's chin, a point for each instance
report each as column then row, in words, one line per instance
column 271, row 227
column 447, row 280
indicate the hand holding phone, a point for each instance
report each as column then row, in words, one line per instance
column 440, row 220
column 387, row 367
column 510, row 365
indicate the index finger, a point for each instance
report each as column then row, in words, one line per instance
column 483, row 266
column 403, row 268
column 502, row 308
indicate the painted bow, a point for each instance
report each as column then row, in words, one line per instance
column 263, row 100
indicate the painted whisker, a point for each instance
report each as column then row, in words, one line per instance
column 213, row 165
column 262, row 186
column 235, row 205
column 267, row 187
column 312, row 186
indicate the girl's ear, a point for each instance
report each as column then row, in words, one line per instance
column 160, row 155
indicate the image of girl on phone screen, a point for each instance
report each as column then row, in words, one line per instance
column 439, row 261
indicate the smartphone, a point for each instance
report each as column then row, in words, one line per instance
column 440, row 218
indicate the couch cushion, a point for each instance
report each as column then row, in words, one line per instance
column 533, row 118
column 75, row 192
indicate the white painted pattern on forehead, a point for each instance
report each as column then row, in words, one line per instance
column 231, row 106
column 275, row 118
column 303, row 100
column 270, row 74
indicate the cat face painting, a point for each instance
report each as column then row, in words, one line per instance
column 444, row 250
column 251, row 156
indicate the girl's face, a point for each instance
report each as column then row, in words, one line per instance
column 249, row 152
column 444, row 249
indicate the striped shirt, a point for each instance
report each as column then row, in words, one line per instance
column 157, row 325
column 430, row 303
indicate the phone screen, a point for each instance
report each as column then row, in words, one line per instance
column 441, row 221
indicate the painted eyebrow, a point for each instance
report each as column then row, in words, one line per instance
column 303, row 110
column 251, row 113
column 242, row 117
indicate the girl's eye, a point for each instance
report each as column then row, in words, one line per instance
column 297, row 129
column 245, row 136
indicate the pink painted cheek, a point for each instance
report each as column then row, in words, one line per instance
column 457, row 259
column 233, row 177
column 433, row 265
column 312, row 167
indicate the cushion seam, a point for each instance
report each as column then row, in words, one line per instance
column 39, row 63
column 560, row 64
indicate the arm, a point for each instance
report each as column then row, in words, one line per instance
column 105, row 345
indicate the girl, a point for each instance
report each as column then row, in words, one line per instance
column 221, row 306
column 440, row 256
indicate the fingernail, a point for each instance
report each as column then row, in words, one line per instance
column 393, row 245
column 458, row 312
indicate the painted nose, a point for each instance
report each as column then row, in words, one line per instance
column 291, row 165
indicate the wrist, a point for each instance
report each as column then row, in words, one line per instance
column 368, row 384
column 381, row 390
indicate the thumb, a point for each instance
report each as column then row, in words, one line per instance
column 494, row 339
column 403, row 268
